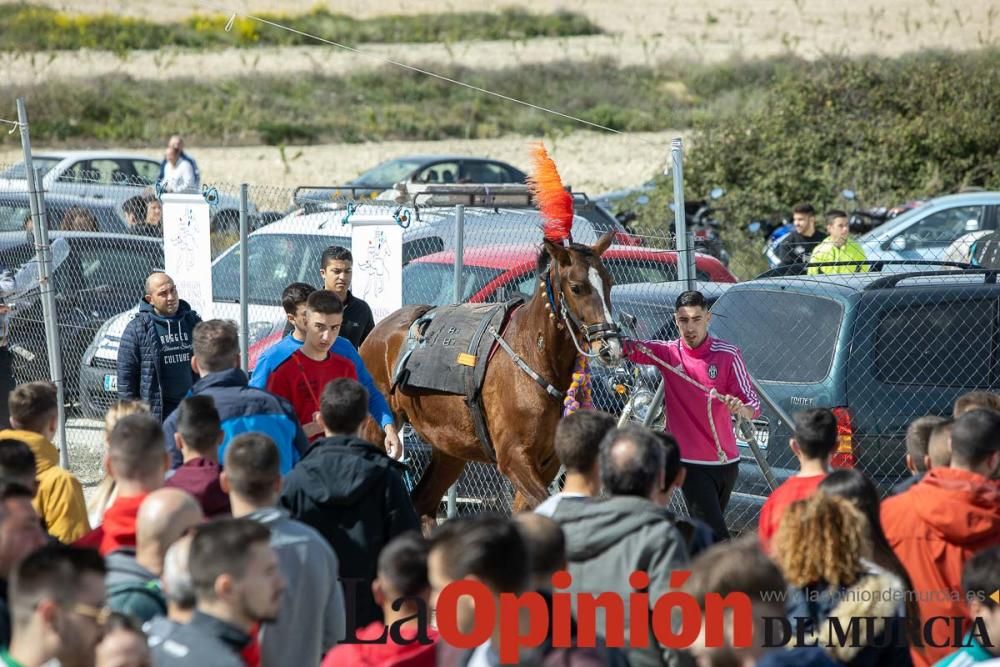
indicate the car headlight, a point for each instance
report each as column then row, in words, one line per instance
column 102, row 333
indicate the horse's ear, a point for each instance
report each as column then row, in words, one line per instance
column 603, row 243
column 558, row 253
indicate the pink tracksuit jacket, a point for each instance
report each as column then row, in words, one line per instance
column 713, row 364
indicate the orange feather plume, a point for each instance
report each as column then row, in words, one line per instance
column 555, row 203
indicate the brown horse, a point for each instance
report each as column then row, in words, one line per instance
column 573, row 299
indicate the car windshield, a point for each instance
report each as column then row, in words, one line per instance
column 389, row 173
column 784, row 337
column 434, row 284
column 45, row 164
column 276, row 260
column 95, row 265
column 12, row 215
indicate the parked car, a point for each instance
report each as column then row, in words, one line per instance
column 106, row 175
column 492, row 273
column 15, row 208
column 879, row 349
column 926, row 232
column 102, row 275
column 436, row 169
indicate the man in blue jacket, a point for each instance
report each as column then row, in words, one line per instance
column 241, row 408
column 293, row 300
column 154, row 356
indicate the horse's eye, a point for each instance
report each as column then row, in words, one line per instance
column 576, row 289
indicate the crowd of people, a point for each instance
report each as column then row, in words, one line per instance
column 244, row 521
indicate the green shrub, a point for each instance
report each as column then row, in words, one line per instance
column 891, row 130
column 33, row 28
column 371, row 105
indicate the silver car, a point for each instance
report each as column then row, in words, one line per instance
column 926, row 232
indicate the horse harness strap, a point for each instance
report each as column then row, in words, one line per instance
column 552, row 391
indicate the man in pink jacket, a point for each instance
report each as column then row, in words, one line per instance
column 708, row 448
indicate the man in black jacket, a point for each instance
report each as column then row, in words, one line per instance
column 337, row 271
column 154, row 357
column 797, row 246
column 353, row 494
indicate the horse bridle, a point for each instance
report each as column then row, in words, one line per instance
column 591, row 332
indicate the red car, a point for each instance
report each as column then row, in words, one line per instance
column 497, row 272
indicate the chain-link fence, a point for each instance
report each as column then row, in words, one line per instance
column 900, row 339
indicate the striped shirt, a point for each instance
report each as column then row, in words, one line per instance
column 713, row 364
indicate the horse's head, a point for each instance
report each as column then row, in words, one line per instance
column 578, row 289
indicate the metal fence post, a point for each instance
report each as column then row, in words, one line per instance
column 39, row 226
column 244, row 281
column 685, row 246
column 458, row 289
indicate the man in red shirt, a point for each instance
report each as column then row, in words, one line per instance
column 813, row 442
column 302, row 377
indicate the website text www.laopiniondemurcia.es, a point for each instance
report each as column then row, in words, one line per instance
column 675, row 620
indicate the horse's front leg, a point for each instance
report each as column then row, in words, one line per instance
column 527, row 475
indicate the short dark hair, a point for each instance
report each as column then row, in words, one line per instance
column 980, row 575
column 13, row 489
column 805, row 208
column 17, row 461
column 335, row 253
column 252, row 466
column 815, row 432
column 691, row 298
column 324, row 302
column 976, row 399
column 578, row 438
column 918, row 438
column 216, row 345
column 136, row 446
column 974, row 437
column 402, row 563
column 545, row 541
column 54, row 571
column 32, row 404
column 486, row 546
column 671, row 457
column 199, row 423
column 295, row 295
column 835, row 213
column 137, row 206
column 631, row 461
column 343, row 405
column 222, row 547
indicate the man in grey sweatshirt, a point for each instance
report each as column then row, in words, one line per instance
column 609, row 539
column 312, row 616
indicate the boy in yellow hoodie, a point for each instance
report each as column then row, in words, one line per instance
column 59, row 500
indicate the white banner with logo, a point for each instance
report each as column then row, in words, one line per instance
column 377, row 248
column 187, row 249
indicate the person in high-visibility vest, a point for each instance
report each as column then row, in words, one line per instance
column 838, row 246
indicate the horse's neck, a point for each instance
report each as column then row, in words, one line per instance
column 544, row 346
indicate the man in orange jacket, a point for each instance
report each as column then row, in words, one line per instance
column 942, row 521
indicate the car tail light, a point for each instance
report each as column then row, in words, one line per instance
column 845, row 455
